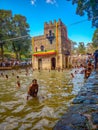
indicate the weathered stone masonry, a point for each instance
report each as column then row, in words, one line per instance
column 51, row 50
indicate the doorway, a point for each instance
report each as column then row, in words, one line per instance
column 39, row 64
column 66, row 62
column 53, row 63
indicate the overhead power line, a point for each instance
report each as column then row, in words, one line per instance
column 14, row 38
column 78, row 22
column 82, row 21
column 68, row 25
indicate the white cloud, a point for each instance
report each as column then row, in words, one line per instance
column 33, row 2
column 51, row 1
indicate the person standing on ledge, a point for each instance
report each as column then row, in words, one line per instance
column 33, row 89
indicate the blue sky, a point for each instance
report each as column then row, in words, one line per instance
column 39, row 11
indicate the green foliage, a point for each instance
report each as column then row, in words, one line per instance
column 90, row 7
column 81, row 48
column 90, row 48
column 20, row 28
column 5, row 18
column 12, row 27
column 95, row 39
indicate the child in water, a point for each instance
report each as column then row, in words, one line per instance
column 6, row 76
column 18, row 81
column 2, row 74
column 33, row 89
column 72, row 75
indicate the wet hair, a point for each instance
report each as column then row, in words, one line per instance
column 17, row 76
column 6, row 76
column 89, row 69
column 34, row 80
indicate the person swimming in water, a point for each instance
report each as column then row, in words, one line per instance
column 2, row 74
column 6, row 76
column 18, row 82
column 72, row 75
column 33, row 89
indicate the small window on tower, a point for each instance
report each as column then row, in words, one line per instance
column 36, row 49
column 42, row 48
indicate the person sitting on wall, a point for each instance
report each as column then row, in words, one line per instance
column 33, row 89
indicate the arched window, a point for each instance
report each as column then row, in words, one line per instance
column 42, row 48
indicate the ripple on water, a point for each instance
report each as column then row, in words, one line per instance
column 10, row 123
column 56, row 92
column 18, row 109
column 41, row 124
column 25, row 125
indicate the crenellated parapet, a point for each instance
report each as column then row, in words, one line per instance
column 51, row 25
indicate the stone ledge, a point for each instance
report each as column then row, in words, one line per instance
column 83, row 114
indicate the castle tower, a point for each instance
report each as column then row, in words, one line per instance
column 51, row 50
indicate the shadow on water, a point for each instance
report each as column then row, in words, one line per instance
column 56, row 92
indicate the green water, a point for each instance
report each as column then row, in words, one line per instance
column 56, row 92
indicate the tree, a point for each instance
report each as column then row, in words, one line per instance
column 20, row 28
column 13, row 27
column 73, row 46
column 81, row 48
column 5, row 18
column 90, row 48
column 95, row 39
column 90, row 7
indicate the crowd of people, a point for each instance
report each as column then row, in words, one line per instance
column 10, row 63
column 91, row 63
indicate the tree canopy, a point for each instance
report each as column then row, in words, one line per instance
column 12, row 27
column 5, row 18
column 90, row 7
column 95, row 39
column 81, row 48
column 20, row 28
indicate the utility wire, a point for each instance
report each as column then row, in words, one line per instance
column 82, row 21
column 14, row 38
column 68, row 25
column 77, row 22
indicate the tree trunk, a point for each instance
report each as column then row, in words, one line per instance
column 17, row 57
column 2, row 52
column 15, row 50
column 20, row 55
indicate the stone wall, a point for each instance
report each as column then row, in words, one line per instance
column 83, row 114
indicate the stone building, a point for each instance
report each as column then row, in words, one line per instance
column 51, row 50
